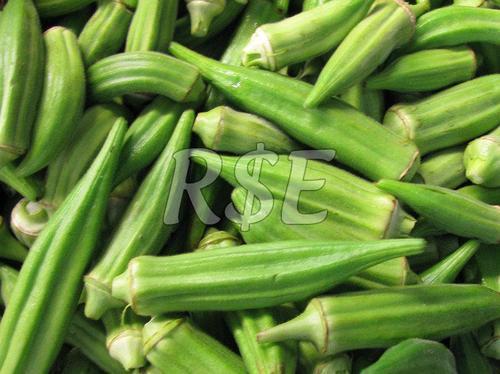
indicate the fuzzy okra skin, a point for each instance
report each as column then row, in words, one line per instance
column 53, row 8
column 382, row 318
column 61, row 103
column 303, row 36
column 449, row 210
column 141, row 230
column 145, row 71
column 450, row 117
column 359, row 141
column 29, row 187
column 389, row 25
column 426, row 70
column 152, row 26
column 444, row 168
column 482, row 160
column 49, row 284
column 251, row 276
column 21, row 76
column 105, row 32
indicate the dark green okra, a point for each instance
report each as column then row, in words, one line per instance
column 29, row 187
column 76, row 21
column 49, row 284
column 450, row 117
column 486, row 195
column 426, row 70
column 456, row 25
column 173, row 345
column 368, row 101
column 444, row 168
column 482, row 160
column 358, row 140
column 118, row 201
column 75, row 362
column 146, row 72
column 201, row 14
column 10, row 248
column 303, row 36
column 251, row 276
column 61, row 103
column 53, row 8
column 468, row 356
column 389, row 25
column 105, row 32
column 142, row 230
column 152, row 26
column 8, row 279
column 414, row 356
column 382, row 318
column 449, row 210
column 21, row 76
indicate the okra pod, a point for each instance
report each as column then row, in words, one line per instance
column 142, row 230
column 28, row 219
column 118, row 201
column 426, row 70
column 53, row 8
column 482, row 160
column 382, row 318
column 29, row 187
column 21, row 76
column 486, row 195
column 8, row 279
column 367, row 101
column 173, row 344
column 146, row 71
column 201, row 14
column 450, row 117
column 338, row 364
column 305, row 35
column 449, row 210
column 10, row 248
column 105, row 32
column 414, row 356
column 468, row 356
column 51, row 275
column 389, row 25
column 444, row 168
column 358, row 140
column 152, row 26
column 61, row 103
column 251, row 276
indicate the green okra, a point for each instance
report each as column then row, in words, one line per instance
column 201, row 14
column 119, row 200
column 449, row 210
column 28, row 219
column 450, row 117
column 311, row 4
column 146, row 71
column 77, row 363
column 227, row 130
column 486, row 195
column 147, row 136
column 251, row 276
column 21, row 76
column 358, row 140
column 382, row 318
column 8, row 278
column 29, row 187
column 49, row 284
column 282, row 5
column 490, row 54
column 468, row 356
column 389, row 25
column 105, row 32
column 152, row 26
column 426, row 70
column 141, row 230
column 446, row 270
column 303, row 36
column 10, row 248
column 53, row 8
column 430, row 256
column 338, row 364
column 482, row 160
column 414, row 356
column 368, row 101
column 173, row 344
column 76, row 21
column 456, row 25
column 61, row 103
column 444, row 168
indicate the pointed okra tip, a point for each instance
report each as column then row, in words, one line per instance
column 98, row 299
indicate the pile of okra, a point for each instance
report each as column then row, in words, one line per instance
column 250, row 186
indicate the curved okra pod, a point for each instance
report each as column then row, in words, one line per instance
column 426, row 70
column 456, row 25
column 389, row 25
column 482, row 160
column 444, row 168
column 29, row 187
column 305, row 35
column 142, row 230
column 152, row 26
column 468, row 356
column 10, row 248
column 449, row 210
column 251, row 276
column 21, row 76
column 450, row 117
column 146, row 71
column 358, row 140
column 49, row 284
column 105, row 32
column 227, row 130
column 61, row 103
column 486, row 195
column 414, row 356
column 382, row 318
column 53, row 8
column 28, row 219
column 202, row 12
column 175, row 346
column 367, row 101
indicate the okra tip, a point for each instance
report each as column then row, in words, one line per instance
column 259, row 52
column 127, row 348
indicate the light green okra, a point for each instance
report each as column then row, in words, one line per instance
column 52, row 8
column 486, row 195
column 368, row 101
column 482, row 160
column 444, row 168
column 29, row 187
column 202, row 12
column 337, row 364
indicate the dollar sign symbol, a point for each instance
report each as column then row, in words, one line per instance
column 250, row 181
